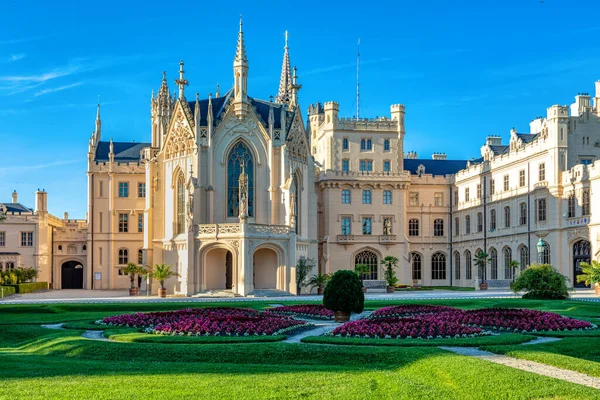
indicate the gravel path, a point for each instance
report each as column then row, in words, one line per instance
column 95, row 335
column 529, row 366
column 321, row 327
column 540, row 340
column 53, row 326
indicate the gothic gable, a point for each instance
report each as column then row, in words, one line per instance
column 297, row 143
column 180, row 139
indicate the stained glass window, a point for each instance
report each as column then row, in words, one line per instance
column 238, row 155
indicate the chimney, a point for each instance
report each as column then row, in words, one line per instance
column 41, row 201
column 66, row 216
column 438, row 156
column 493, row 141
column 15, row 197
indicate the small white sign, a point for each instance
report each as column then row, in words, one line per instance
column 97, row 276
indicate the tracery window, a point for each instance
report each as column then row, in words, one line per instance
column 508, row 271
column 438, row 266
column 180, row 205
column 523, row 257
column 239, row 154
column 468, row 265
column 494, row 263
column 369, row 259
column 416, row 265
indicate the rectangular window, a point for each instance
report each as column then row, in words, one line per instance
column 345, row 145
column 387, row 226
column 140, row 222
column 507, row 217
column 387, row 197
column 346, row 196
column 366, row 225
column 141, row 189
column 387, row 166
column 123, row 223
column 26, row 239
column 479, row 222
column 366, row 144
column 100, row 255
column 366, row 165
column 438, row 227
column 492, row 220
column 585, row 202
column 541, row 210
column 467, row 224
column 386, row 145
column 456, row 197
column 478, row 191
column 492, row 186
column 456, row 226
column 346, row 226
column 123, row 189
column 2, row 239
column 523, row 214
column 413, row 199
column 101, row 189
column 542, row 172
column 571, row 206
column 506, row 183
column 467, row 194
column 439, row 199
column 366, row 197
column 345, row 165
column 100, row 222
column 586, row 161
column 413, row 227
column 522, row 178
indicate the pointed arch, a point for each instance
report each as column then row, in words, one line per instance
column 239, row 154
column 179, row 202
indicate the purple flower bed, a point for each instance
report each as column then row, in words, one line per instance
column 402, row 328
column 208, row 322
column 317, row 311
column 409, row 310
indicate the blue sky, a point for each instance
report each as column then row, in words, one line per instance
column 464, row 70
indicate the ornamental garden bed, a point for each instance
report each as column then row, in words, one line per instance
column 442, row 322
column 220, row 321
column 313, row 311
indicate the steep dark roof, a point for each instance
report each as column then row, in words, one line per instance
column 16, row 207
column 435, row 167
column 500, row 149
column 218, row 105
column 527, row 137
column 262, row 109
column 124, row 151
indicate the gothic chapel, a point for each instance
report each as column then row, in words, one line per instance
column 224, row 192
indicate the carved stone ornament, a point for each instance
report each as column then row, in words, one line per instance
column 71, row 249
column 578, row 233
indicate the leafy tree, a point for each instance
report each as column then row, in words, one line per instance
column 303, row 267
column 390, row 262
column 319, row 280
column 344, row 293
column 162, row 272
column 591, row 273
column 482, row 259
column 362, row 271
column 131, row 269
column 541, row 281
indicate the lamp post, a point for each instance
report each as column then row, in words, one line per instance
column 541, row 245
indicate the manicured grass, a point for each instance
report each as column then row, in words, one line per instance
column 580, row 354
column 138, row 337
column 453, row 288
column 504, row 339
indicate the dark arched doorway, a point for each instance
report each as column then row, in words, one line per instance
column 72, row 275
column 581, row 253
column 228, row 270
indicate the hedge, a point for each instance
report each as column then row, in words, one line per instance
column 7, row 290
column 29, row 287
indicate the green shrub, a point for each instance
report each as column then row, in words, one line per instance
column 344, row 293
column 541, row 281
column 7, row 290
column 29, row 287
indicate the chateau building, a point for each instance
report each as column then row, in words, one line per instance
column 32, row 237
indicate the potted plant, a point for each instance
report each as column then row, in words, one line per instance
column 513, row 265
column 162, row 272
column 481, row 261
column 319, row 281
column 390, row 262
column 343, row 295
column 591, row 274
column 362, row 270
column 131, row 269
column 303, row 267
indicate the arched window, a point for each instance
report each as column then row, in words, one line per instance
column 140, row 257
column 468, row 224
column 494, row 263
column 492, row 220
column 508, row 271
column 522, row 214
column 456, row 265
column 479, row 222
column 123, row 256
column 507, row 217
column 296, row 189
column 438, row 266
column 239, row 154
column 456, row 226
column 10, row 266
column 180, row 205
column 468, row 265
column 369, row 259
column 416, row 266
column 523, row 257
column 438, row 227
column 413, row 227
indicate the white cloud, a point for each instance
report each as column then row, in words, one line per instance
column 17, row 57
column 57, row 89
column 22, row 168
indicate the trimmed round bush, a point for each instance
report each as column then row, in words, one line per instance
column 541, row 281
column 344, row 293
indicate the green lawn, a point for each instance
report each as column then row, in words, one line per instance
column 39, row 363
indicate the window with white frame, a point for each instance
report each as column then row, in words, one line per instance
column 346, row 225
column 123, row 222
column 438, row 227
column 2, row 239
column 478, row 191
column 456, row 226
column 367, row 224
column 479, row 222
column 413, row 227
column 387, row 166
column 492, row 219
column 507, row 217
column 141, row 189
column 386, row 145
column 346, row 196
column 506, row 183
column 522, row 178
column 541, row 210
column 366, row 144
column 123, row 189
column 522, row 214
column 571, row 206
column 387, row 197
column 366, row 197
column 439, row 199
column 468, row 224
column 345, row 144
column 345, row 165
column 140, row 222
column 366, row 165
column 26, row 239
column 542, row 172
column 467, row 194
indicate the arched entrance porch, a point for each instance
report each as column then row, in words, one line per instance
column 266, row 267
column 218, row 269
column 72, row 275
column 581, row 253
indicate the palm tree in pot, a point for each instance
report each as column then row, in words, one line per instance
column 389, row 263
column 319, row 281
column 131, row 269
column 363, row 271
column 591, row 274
column 482, row 259
column 162, row 272
column 512, row 266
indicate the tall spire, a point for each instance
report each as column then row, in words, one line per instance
column 285, row 82
column 181, row 82
column 240, row 77
column 98, row 122
column 240, row 52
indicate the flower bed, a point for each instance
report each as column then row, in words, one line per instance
column 207, row 322
column 317, row 311
column 433, row 322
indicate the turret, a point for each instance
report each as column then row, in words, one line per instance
column 161, row 110
column 240, row 77
column 15, row 196
column 332, row 110
column 41, row 201
column 398, row 111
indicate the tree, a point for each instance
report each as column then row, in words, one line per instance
column 319, row 280
column 344, row 293
column 591, row 273
column 162, row 272
column 541, row 281
column 389, row 263
column 303, row 267
column 513, row 265
column 131, row 269
column 482, row 259
column 362, row 271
